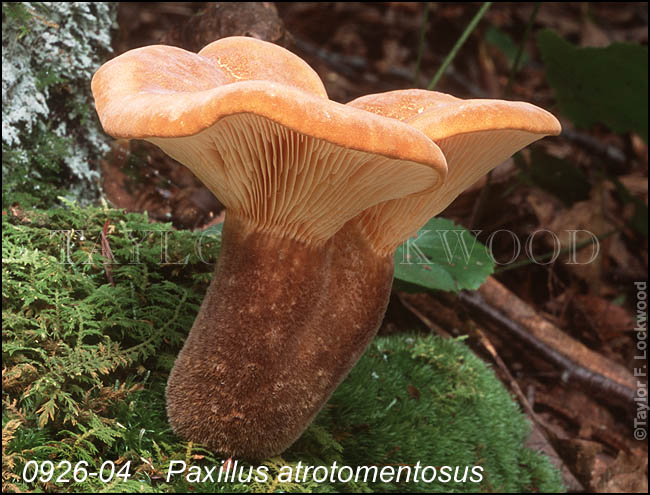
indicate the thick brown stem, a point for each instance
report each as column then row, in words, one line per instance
column 281, row 325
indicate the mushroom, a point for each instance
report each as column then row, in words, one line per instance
column 306, row 263
column 475, row 135
column 298, row 292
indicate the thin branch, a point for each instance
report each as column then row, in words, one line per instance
column 594, row 380
column 520, row 50
column 461, row 41
column 483, row 196
column 433, row 327
column 552, row 254
column 423, row 30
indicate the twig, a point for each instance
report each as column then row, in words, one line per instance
column 477, row 211
column 544, row 429
column 608, row 151
column 107, row 253
column 352, row 65
column 459, row 43
column 423, row 30
column 520, row 50
column 551, row 254
column 513, row 383
column 427, row 322
column 348, row 65
column 578, row 362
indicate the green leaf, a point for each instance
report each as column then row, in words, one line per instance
column 599, row 85
column 444, row 256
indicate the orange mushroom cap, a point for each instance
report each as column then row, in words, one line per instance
column 253, row 122
column 475, row 136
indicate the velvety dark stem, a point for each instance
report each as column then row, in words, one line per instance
column 281, row 325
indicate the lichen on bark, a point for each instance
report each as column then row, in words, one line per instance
column 51, row 140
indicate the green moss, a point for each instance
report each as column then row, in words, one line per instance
column 431, row 400
column 32, row 177
column 86, row 364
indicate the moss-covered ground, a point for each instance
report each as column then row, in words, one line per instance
column 92, row 323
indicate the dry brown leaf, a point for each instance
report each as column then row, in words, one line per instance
column 593, row 36
column 607, row 319
column 636, row 183
column 627, row 474
column 582, row 458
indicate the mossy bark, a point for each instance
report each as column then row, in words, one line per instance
column 281, row 325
